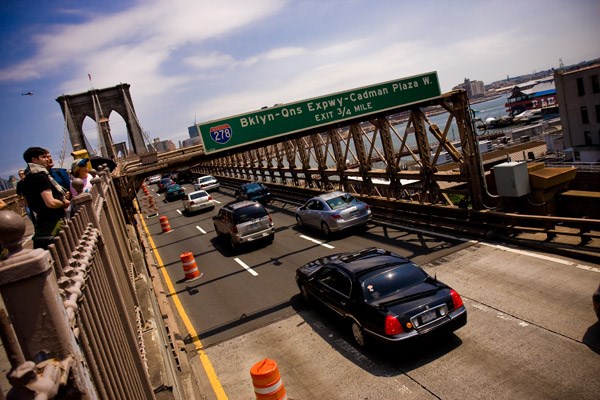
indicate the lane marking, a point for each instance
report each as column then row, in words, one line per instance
column 179, row 211
column 247, row 268
column 204, row 360
column 201, row 230
column 317, row 242
column 504, row 248
column 542, row 256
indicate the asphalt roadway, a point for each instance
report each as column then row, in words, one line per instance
column 531, row 333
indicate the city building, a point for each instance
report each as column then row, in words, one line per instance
column 193, row 141
column 193, row 131
column 474, row 89
column 578, row 94
column 531, row 96
column 162, row 146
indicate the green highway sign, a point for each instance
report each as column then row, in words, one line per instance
column 238, row 130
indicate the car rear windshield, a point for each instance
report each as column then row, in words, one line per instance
column 341, row 201
column 253, row 187
column 249, row 213
column 197, row 195
column 385, row 282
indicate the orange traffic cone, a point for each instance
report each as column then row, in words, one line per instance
column 164, row 224
column 267, row 381
column 190, row 269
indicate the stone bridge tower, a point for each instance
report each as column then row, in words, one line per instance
column 98, row 104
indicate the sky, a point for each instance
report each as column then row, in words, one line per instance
column 196, row 60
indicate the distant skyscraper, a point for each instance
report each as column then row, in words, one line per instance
column 193, row 131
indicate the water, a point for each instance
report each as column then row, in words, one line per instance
column 487, row 109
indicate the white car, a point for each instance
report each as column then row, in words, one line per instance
column 207, row 182
column 198, row 200
column 154, row 179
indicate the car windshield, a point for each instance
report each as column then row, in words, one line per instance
column 246, row 214
column 389, row 281
column 206, row 179
column 341, row 201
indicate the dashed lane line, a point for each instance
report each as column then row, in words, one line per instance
column 247, row 268
column 317, row 242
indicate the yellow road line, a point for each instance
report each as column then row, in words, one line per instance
column 208, row 368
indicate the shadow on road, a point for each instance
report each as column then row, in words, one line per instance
column 592, row 337
column 379, row 359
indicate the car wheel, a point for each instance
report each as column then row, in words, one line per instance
column 299, row 221
column 219, row 235
column 270, row 238
column 325, row 228
column 358, row 334
column 232, row 243
column 305, row 295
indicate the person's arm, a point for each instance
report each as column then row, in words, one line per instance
column 51, row 202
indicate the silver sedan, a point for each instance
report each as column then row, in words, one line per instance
column 333, row 212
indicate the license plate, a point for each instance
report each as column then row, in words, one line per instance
column 255, row 226
column 428, row 316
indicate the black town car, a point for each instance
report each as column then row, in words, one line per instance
column 383, row 295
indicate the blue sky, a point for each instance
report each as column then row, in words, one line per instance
column 199, row 60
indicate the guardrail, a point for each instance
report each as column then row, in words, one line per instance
column 576, row 237
column 72, row 326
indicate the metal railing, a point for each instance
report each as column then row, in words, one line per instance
column 71, row 323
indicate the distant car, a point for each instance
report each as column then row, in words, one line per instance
column 164, row 183
column 254, row 191
column 333, row 212
column 198, row 200
column 596, row 301
column 243, row 221
column 154, row 179
column 174, row 192
column 382, row 295
column 207, row 182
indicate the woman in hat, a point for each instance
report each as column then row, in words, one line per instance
column 79, row 171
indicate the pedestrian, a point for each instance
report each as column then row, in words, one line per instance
column 22, row 201
column 79, row 170
column 60, row 175
column 44, row 196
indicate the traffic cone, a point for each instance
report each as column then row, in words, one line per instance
column 164, row 224
column 150, row 206
column 190, row 269
column 267, row 381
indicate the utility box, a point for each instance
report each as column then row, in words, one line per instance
column 512, row 179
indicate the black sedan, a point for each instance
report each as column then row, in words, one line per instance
column 383, row 295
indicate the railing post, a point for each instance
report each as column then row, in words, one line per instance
column 38, row 317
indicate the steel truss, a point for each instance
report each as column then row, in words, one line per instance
column 371, row 158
